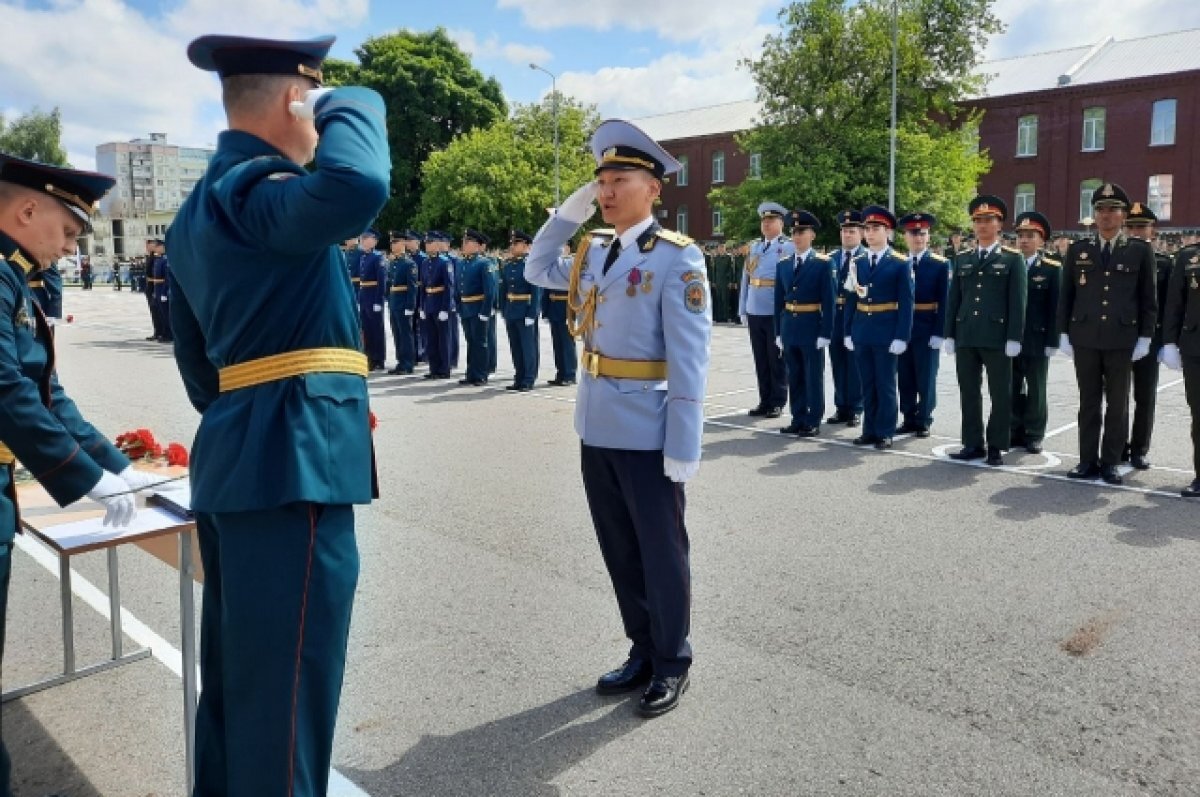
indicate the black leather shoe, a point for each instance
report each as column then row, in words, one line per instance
column 1139, row 461
column 967, row 454
column 465, row 381
column 852, row 422
column 662, row 695
column 864, row 440
column 993, row 457
column 1017, row 440
column 838, row 417
column 629, row 676
column 1085, row 470
column 774, row 412
column 524, row 388
column 883, row 443
column 792, row 428
column 922, row 432
column 396, row 371
column 759, row 411
column 809, row 431
column 909, row 427
column 1192, row 490
column 1110, row 474
column 1033, row 446
column 556, row 382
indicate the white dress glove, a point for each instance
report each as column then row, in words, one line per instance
column 530, row 322
column 1012, row 348
column 113, row 492
column 1051, row 351
column 139, row 480
column 410, row 312
column 308, row 108
column 579, row 206
column 1064, row 345
column 483, row 317
column 679, row 471
column 377, row 308
column 778, row 342
column 1170, row 357
column 898, row 347
column 948, row 346
column 848, row 343
column 935, row 342
column 443, row 316
column 744, row 319
column 162, row 298
column 1141, row 349
column 422, row 315
column 822, row 343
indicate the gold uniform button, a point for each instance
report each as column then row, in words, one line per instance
column 978, row 299
column 976, row 312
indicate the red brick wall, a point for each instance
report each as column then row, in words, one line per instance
column 699, row 152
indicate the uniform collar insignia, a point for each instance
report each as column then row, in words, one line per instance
column 1107, row 190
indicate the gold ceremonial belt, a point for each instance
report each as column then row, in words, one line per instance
column 792, row 307
column 521, row 297
column 293, row 363
column 398, row 288
column 355, row 279
column 554, row 298
column 36, row 283
column 368, row 283
column 435, row 290
column 925, row 307
column 476, row 298
column 598, row 365
column 878, row 308
column 755, row 282
column 841, row 300
column 6, row 455
column 154, row 280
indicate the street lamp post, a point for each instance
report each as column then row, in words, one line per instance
column 892, row 147
column 554, row 106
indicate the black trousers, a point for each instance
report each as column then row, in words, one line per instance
column 768, row 362
column 1103, row 379
column 1145, row 394
column 638, row 515
column 1191, row 391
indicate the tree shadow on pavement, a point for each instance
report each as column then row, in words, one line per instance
column 39, row 765
column 516, row 756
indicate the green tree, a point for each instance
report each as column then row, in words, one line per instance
column 502, row 177
column 824, row 81
column 432, row 93
column 35, row 136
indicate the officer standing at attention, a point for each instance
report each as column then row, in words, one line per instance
column 878, row 324
column 162, row 292
column 43, row 210
column 521, row 302
column 402, row 297
column 804, row 302
column 722, row 277
column 284, row 450
column 985, row 324
column 847, row 386
column 372, row 287
column 148, row 286
column 1140, row 224
column 1181, row 342
column 1106, row 314
column 437, row 301
column 954, row 245
column 918, row 365
column 756, row 308
column 554, row 310
column 419, row 257
column 1040, row 340
column 477, row 287
column 640, row 300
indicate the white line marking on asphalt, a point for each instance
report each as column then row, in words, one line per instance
column 143, row 635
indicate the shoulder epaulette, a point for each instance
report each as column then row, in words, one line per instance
column 1049, row 261
column 820, row 256
column 934, row 256
column 965, row 251
column 679, row 239
column 1010, row 250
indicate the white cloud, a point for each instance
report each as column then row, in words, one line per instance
column 491, row 48
column 276, row 19
column 1037, row 26
column 676, row 20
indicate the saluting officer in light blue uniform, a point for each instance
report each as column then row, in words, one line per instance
column 437, row 304
column 640, row 300
column 879, row 323
column 521, row 302
column 756, row 309
column 918, row 365
column 804, row 302
column 477, row 288
column 40, row 425
column 372, row 288
column 554, row 310
column 268, row 345
column 847, row 386
column 402, row 299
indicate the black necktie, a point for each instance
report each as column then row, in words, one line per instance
column 614, row 252
column 1105, row 254
column 874, row 260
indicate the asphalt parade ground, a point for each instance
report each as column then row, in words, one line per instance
column 864, row 622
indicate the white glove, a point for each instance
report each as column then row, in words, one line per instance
column 139, row 480
column 162, row 298
column 1170, row 357
column 1064, row 345
column 579, row 206
column 935, row 342
column 778, row 342
column 483, row 317
column 848, row 343
column 410, row 312
column 948, row 346
column 443, row 316
column 119, row 509
column 50, row 320
column 308, row 108
column 744, row 319
column 1141, row 349
column 679, row 471
column 1051, row 351
column 530, row 322
column 377, row 308
column 422, row 315
column 898, row 347
column 822, row 342
column 1012, row 348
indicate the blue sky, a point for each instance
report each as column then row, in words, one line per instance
column 117, row 68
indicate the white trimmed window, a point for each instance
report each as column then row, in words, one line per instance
column 1093, row 129
column 1162, row 124
column 1158, row 195
column 718, row 167
column 1027, row 127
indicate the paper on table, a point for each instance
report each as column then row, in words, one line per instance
column 92, row 533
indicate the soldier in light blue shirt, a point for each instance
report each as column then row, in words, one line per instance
column 756, row 308
column 638, row 296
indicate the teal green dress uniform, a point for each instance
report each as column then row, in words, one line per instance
column 522, row 302
column 437, row 296
column 917, row 368
column 403, row 276
column 268, row 345
column 46, row 287
column 1181, row 335
column 554, row 310
column 162, row 298
column 847, row 386
column 40, row 426
column 477, row 287
column 372, row 288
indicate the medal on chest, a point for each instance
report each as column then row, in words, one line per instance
column 1083, row 279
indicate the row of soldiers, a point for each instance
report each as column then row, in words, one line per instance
column 435, row 300
column 1112, row 303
